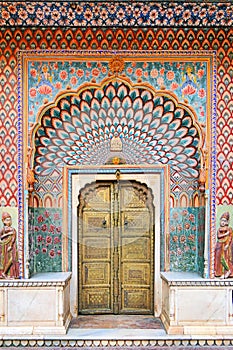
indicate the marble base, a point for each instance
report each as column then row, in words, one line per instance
column 194, row 305
column 39, row 305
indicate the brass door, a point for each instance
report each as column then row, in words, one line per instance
column 116, row 248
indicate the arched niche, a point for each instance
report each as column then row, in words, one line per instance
column 152, row 128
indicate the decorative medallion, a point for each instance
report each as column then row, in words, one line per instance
column 116, row 65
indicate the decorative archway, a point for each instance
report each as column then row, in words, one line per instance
column 152, row 126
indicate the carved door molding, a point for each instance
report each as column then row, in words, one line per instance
column 116, row 248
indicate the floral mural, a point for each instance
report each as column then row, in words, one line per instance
column 186, row 79
column 183, row 239
column 45, row 240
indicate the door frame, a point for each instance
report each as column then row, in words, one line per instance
column 76, row 178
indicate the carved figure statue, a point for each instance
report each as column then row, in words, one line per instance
column 9, row 267
column 223, row 250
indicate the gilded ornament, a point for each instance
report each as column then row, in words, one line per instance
column 116, row 65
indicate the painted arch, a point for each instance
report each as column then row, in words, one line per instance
column 152, row 126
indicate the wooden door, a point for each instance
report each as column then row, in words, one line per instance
column 116, row 248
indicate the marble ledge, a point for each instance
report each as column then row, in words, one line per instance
column 47, row 279
column 193, row 279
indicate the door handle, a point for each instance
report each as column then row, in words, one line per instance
column 104, row 223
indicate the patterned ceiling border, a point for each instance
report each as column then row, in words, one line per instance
column 109, row 14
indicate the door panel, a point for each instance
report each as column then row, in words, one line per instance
column 136, row 249
column 116, row 248
column 95, row 254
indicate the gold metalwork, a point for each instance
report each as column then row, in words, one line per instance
column 116, row 253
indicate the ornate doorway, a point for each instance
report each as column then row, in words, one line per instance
column 116, row 248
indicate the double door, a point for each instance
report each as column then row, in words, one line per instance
column 116, row 248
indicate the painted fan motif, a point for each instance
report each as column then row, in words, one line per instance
column 152, row 129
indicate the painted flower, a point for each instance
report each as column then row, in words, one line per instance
column 39, row 238
column 153, row 15
column 104, row 70
column 95, row 72
column 73, row 80
column 184, row 212
column 79, row 9
column 182, row 239
column 44, row 250
column 55, row 15
column 12, row 9
column 52, row 228
column 45, row 89
column 175, row 239
column 40, row 218
column 200, row 73
column 88, row 14
column 52, row 253
column 179, row 227
column 129, row 70
column 191, row 238
column 56, row 240
column 33, row 72
column 32, row 92
column 174, row 86
column 22, row 14
column 46, row 213
column 133, row 64
column 170, row 13
column 145, row 10
column 154, row 73
column 170, row 75
column 186, row 14
column 191, row 217
column 63, row 75
column 175, row 215
column 80, row 73
column 160, row 81
column 189, row 90
column 161, row 72
column 58, row 85
column 36, row 251
column 44, row 227
column 48, row 239
column 120, row 13
column 136, row 12
column 201, row 93
column 56, row 216
column 58, row 252
column 104, row 14
column 88, row 64
column 138, row 72
column 219, row 15
column 58, row 229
